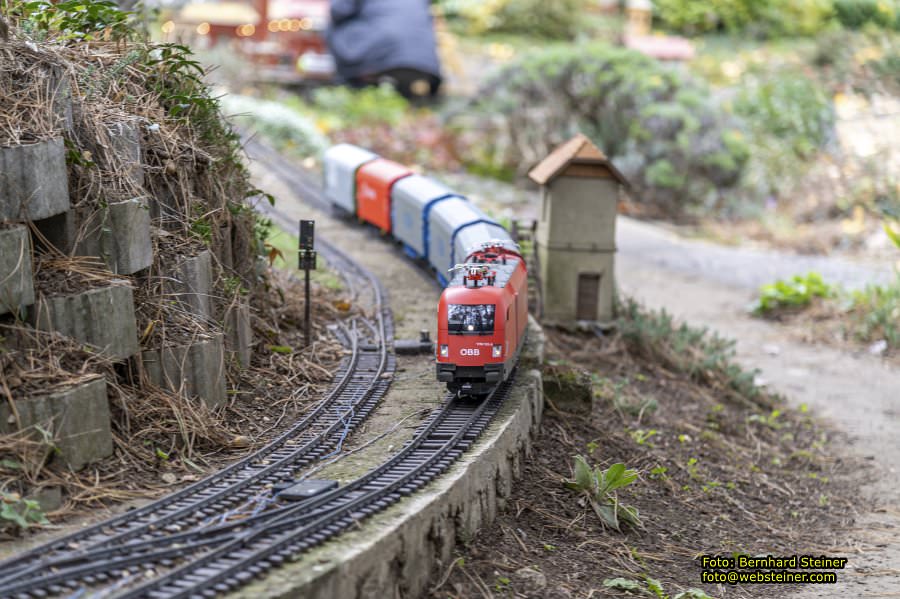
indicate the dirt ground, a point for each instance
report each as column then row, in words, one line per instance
column 718, row 475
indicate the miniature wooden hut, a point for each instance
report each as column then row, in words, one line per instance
column 575, row 238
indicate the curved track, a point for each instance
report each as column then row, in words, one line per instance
column 218, row 534
column 360, row 382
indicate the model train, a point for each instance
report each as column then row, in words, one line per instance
column 483, row 310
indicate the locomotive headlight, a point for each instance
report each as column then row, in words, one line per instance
column 445, row 351
column 497, row 351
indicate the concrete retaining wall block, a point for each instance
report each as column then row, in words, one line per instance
column 16, row 283
column 196, row 370
column 125, row 138
column 129, row 236
column 118, row 233
column 191, row 283
column 239, row 334
column 33, row 180
column 77, row 417
column 103, row 318
column 60, row 90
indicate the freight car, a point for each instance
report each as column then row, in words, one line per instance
column 483, row 311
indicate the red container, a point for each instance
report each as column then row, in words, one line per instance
column 373, row 191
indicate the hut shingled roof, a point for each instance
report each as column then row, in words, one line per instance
column 578, row 150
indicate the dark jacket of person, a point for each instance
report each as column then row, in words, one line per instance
column 368, row 37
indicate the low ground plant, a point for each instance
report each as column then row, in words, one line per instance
column 599, row 488
column 19, row 513
column 875, row 313
column 699, row 353
column 867, row 315
column 797, row 292
column 653, row 587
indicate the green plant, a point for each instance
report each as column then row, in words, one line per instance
column 692, row 468
column 560, row 19
column 20, row 512
column 796, row 292
column 761, row 18
column 854, row 14
column 600, row 486
column 641, row 436
column 78, row 20
column 771, row 419
column 789, row 107
column 652, row 586
column 875, row 313
column 375, row 104
column 679, row 148
column 281, row 124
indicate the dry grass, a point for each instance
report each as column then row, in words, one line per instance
column 101, row 98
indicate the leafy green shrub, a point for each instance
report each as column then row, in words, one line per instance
column 764, row 18
column 796, row 292
column 789, row 117
column 676, row 146
column 376, row 104
column 866, row 61
column 83, row 20
column 854, row 14
column 558, row 19
column 600, row 486
column 875, row 313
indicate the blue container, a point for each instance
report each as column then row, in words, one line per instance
column 446, row 221
column 412, row 199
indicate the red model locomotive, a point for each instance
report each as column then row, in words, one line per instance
column 482, row 317
column 483, row 311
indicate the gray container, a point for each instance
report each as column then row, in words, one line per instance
column 340, row 165
column 412, row 198
column 470, row 238
column 445, row 219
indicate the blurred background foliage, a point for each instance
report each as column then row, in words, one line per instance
column 554, row 19
column 753, row 128
column 678, row 147
column 771, row 18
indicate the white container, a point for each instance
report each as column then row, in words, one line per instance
column 340, row 165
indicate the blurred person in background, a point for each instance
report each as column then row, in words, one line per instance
column 374, row 41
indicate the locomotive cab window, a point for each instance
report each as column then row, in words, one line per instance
column 475, row 319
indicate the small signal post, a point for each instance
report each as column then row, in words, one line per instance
column 306, row 261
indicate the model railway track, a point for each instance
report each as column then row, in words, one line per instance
column 165, row 559
column 448, row 433
column 360, row 382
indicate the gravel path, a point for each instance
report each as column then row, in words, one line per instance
column 739, row 267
